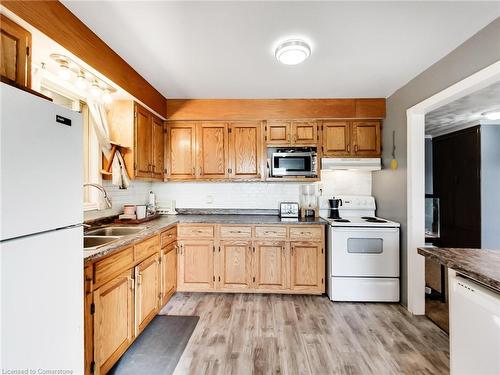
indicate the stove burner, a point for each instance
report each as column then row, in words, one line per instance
column 342, row 220
column 373, row 220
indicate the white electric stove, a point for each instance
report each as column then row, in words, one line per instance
column 363, row 253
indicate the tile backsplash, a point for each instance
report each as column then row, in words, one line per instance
column 259, row 195
column 137, row 193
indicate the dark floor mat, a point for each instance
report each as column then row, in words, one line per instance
column 159, row 347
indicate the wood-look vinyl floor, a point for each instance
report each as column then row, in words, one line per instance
column 283, row 334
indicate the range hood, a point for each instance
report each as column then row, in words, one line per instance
column 355, row 164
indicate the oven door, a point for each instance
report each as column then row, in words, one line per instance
column 365, row 252
column 293, row 164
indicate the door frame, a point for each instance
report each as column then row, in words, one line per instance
column 416, row 175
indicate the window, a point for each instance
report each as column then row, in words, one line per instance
column 91, row 150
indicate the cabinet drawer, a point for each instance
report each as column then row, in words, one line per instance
column 305, row 233
column 196, row 231
column 270, row 232
column 235, row 232
column 168, row 236
column 146, row 248
column 109, row 267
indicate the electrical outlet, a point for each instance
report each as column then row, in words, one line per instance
column 210, row 199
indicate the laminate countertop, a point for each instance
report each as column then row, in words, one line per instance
column 164, row 222
column 478, row 264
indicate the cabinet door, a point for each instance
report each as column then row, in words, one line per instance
column 88, row 322
column 147, row 292
column 235, row 265
column 307, row 266
column 304, row 133
column 270, row 265
column 336, row 138
column 195, row 270
column 212, row 150
column 15, row 56
column 278, row 132
column 168, row 272
column 113, row 321
column 181, row 150
column 143, row 149
column 366, row 138
column 245, row 149
column 158, row 149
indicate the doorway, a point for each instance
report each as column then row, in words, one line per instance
column 416, row 175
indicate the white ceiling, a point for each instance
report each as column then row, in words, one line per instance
column 225, row 49
column 464, row 112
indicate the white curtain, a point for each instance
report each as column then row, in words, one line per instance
column 100, row 124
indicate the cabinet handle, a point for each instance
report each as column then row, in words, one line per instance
column 194, row 170
column 139, row 279
column 132, row 286
column 200, row 170
column 235, row 231
column 355, row 148
column 291, row 250
column 270, row 231
column 348, row 148
column 288, row 137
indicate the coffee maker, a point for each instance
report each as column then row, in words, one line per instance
column 334, row 208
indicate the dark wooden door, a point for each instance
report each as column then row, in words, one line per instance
column 457, row 184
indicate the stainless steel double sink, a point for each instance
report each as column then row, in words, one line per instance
column 96, row 238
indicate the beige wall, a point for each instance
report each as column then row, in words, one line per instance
column 389, row 187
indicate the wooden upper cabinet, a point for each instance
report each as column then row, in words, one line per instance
column 143, row 147
column 307, row 260
column 366, row 138
column 336, row 138
column 181, row 150
column 278, row 132
column 15, row 52
column 270, row 265
column 133, row 126
column 195, row 267
column 291, row 133
column 158, row 148
column 147, row 291
column 113, row 321
column 304, row 133
column 351, row 138
column 212, row 150
column 245, row 149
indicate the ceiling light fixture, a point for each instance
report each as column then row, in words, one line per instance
column 95, row 90
column 292, row 52
column 64, row 70
column 106, row 96
column 81, row 81
column 85, row 79
column 492, row 115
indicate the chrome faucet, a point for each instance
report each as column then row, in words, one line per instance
column 105, row 194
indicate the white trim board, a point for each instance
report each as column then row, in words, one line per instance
column 416, row 175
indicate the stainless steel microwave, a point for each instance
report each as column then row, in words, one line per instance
column 294, row 163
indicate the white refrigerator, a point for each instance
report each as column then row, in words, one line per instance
column 41, row 234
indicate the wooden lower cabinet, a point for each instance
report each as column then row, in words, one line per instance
column 270, row 265
column 235, row 265
column 124, row 291
column 113, row 321
column 88, row 323
column 195, row 265
column 147, row 281
column 307, row 266
column 168, row 272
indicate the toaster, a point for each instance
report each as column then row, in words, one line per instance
column 289, row 209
